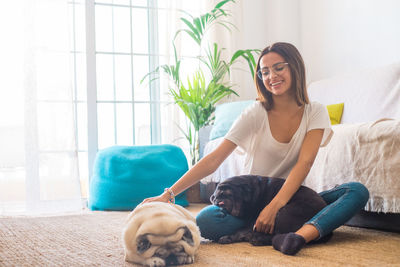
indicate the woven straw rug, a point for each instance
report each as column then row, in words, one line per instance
column 94, row 239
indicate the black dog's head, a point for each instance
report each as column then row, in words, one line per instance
column 233, row 195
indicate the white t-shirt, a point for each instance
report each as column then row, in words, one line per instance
column 264, row 154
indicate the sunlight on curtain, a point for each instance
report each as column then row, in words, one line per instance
column 231, row 41
column 38, row 155
column 173, row 119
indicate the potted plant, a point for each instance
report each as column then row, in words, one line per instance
column 197, row 97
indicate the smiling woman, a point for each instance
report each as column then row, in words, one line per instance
column 277, row 75
column 276, row 78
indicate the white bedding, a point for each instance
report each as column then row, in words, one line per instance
column 365, row 152
column 232, row 166
column 368, row 153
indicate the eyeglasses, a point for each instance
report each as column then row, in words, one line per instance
column 277, row 68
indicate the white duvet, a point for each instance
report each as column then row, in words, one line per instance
column 365, row 152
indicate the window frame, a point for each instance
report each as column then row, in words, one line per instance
column 154, row 87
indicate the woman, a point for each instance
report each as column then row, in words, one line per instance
column 281, row 134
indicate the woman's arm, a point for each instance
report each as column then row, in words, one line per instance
column 204, row 167
column 308, row 152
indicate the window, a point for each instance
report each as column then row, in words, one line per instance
column 115, row 44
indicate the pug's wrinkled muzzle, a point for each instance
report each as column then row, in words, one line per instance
column 173, row 254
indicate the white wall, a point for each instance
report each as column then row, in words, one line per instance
column 334, row 36
column 343, row 36
column 248, row 34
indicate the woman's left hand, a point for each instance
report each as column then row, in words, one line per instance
column 266, row 220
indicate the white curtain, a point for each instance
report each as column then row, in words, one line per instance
column 38, row 155
column 173, row 120
column 231, row 41
column 241, row 36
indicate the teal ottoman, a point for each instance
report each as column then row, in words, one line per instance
column 125, row 175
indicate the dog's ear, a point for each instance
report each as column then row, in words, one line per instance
column 187, row 236
column 212, row 198
column 142, row 244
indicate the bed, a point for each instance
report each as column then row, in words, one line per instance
column 364, row 148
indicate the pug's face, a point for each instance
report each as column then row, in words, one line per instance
column 228, row 196
column 160, row 234
column 166, row 253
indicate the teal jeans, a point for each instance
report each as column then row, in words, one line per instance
column 343, row 202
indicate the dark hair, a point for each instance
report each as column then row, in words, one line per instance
column 297, row 70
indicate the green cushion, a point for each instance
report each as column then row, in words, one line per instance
column 125, row 175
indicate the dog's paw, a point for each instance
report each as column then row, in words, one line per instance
column 225, row 240
column 155, row 262
column 260, row 239
column 256, row 242
column 187, row 259
column 179, row 259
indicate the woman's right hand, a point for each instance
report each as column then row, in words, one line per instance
column 161, row 198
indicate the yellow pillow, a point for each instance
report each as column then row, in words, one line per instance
column 335, row 112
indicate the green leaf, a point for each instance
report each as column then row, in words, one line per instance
column 248, row 55
column 197, row 27
column 193, row 31
column 220, row 4
column 197, row 99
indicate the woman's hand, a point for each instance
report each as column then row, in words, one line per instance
column 161, row 198
column 266, row 220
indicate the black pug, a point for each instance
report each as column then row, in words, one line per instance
column 246, row 196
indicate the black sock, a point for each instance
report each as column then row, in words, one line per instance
column 289, row 243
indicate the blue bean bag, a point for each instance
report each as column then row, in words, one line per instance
column 125, row 175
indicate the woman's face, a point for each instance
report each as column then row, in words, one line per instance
column 275, row 74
